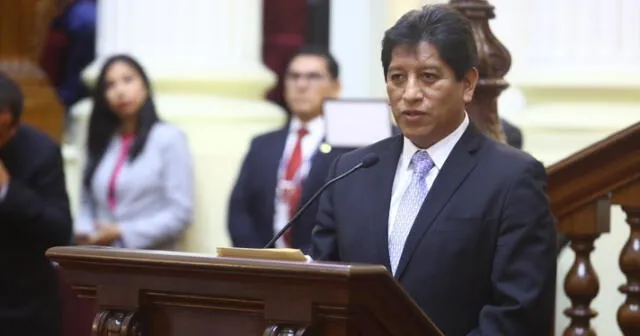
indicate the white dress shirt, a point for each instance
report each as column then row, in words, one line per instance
column 439, row 152
column 310, row 144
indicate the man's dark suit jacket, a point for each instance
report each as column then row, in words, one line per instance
column 512, row 133
column 34, row 216
column 252, row 204
column 480, row 257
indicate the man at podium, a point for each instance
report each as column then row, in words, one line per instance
column 461, row 221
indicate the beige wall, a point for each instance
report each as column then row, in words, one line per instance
column 399, row 7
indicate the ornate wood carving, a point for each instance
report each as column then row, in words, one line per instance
column 116, row 323
column 23, row 27
column 581, row 286
column 494, row 63
column 277, row 330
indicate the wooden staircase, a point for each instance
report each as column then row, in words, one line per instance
column 582, row 189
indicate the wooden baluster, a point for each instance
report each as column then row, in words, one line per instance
column 629, row 311
column 581, row 286
column 628, row 197
column 494, row 62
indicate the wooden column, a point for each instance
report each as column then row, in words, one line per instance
column 494, row 63
column 581, row 284
column 23, row 26
column 629, row 312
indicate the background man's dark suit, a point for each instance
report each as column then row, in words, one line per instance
column 34, row 216
column 482, row 248
column 252, row 204
column 512, row 133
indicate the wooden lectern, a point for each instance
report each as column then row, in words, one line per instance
column 158, row 293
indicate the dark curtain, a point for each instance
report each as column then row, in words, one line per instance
column 288, row 25
column 284, row 28
column 318, row 12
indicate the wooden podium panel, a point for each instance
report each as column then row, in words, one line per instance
column 158, row 293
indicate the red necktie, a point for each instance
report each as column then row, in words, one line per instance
column 293, row 195
column 126, row 142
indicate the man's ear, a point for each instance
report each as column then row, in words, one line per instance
column 470, row 81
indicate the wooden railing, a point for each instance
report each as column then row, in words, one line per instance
column 582, row 189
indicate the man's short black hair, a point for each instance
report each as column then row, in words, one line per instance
column 11, row 97
column 316, row 50
column 439, row 25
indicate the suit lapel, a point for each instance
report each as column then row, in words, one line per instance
column 380, row 192
column 274, row 161
column 457, row 167
column 270, row 161
column 317, row 175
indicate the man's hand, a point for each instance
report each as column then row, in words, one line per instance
column 107, row 234
column 4, row 175
column 82, row 239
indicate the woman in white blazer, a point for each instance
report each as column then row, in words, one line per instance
column 138, row 183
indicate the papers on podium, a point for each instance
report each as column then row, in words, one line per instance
column 353, row 123
column 282, row 254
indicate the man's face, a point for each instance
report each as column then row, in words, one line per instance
column 427, row 100
column 8, row 126
column 307, row 84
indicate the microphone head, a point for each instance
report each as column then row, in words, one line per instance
column 370, row 160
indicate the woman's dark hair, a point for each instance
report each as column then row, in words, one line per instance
column 104, row 122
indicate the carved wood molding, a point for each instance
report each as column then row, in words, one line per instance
column 281, row 330
column 116, row 323
column 594, row 172
column 204, row 302
column 494, row 61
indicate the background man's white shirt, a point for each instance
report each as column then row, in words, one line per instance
column 310, row 144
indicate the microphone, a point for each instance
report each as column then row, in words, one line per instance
column 368, row 161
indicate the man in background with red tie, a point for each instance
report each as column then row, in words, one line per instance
column 284, row 168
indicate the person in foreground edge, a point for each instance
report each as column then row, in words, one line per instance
column 34, row 216
column 461, row 221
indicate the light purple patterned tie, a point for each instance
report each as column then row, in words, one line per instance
column 410, row 204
